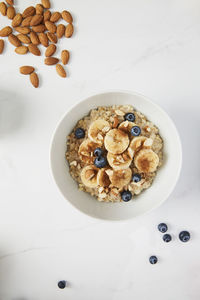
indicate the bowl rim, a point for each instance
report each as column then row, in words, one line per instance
column 147, row 99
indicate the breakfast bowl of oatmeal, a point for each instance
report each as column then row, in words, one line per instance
column 116, row 155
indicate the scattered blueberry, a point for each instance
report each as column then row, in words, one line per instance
column 129, row 117
column 167, row 238
column 98, row 152
column 184, row 236
column 136, row 177
column 135, row 130
column 162, row 227
column 62, row 284
column 126, row 196
column 153, row 259
column 79, row 133
column 100, row 162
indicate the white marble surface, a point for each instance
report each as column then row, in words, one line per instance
column 148, row 46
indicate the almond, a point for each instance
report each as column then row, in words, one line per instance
column 10, row 2
column 52, row 37
column 11, row 12
column 51, row 61
column 51, row 49
column 17, row 20
column 39, row 9
column 39, row 28
column 67, row 16
column 65, row 57
column 23, row 30
column 69, row 30
column 5, row 31
column 21, row 50
column 34, row 38
column 27, row 21
column 60, row 30
column 46, row 3
column 50, row 26
column 24, row 38
column 36, row 20
column 34, row 79
column 61, row 71
column 29, row 11
column 34, row 49
column 55, row 17
column 43, row 39
column 14, row 40
column 3, row 8
column 1, row 46
column 26, row 70
column 47, row 15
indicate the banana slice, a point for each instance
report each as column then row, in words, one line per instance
column 119, row 178
column 126, row 126
column 146, row 161
column 116, row 141
column 103, row 178
column 119, row 161
column 97, row 131
column 140, row 142
column 89, row 176
column 86, row 150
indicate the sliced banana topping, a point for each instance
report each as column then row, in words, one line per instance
column 116, row 141
column 126, row 126
column 146, row 161
column 140, row 142
column 103, row 178
column 86, row 150
column 119, row 178
column 119, row 161
column 98, row 130
column 89, row 176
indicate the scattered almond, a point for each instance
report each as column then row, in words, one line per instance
column 34, row 49
column 50, row 26
column 60, row 30
column 115, row 122
column 21, row 50
column 27, row 21
column 1, row 46
column 10, row 2
column 69, row 30
column 3, row 8
column 52, row 37
column 65, row 57
column 13, row 39
column 51, row 61
column 46, row 3
column 39, row 9
column 34, row 79
column 51, row 49
column 67, row 16
column 26, row 70
column 47, row 15
column 5, row 31
column 55, row 17
column 36, row 20
column 29, row 11
column 24, row 38
column 39, row 28
column 17, row 20
column 23, row 30
column 11, row 12
column 43, row 39
column 61, row 71
column 34, row 38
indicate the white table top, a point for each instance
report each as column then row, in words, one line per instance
column 151, row 47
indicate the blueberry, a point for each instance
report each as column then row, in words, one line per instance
column 79, row 133
column 136, row 177
column 126, row 196
column 135, row 130
column 184, row 236
column 98, row 152
column 62, row 284
column 153, row 259
column 100, row 162
column 129, row 117
column 162, row 227
column 167, row 238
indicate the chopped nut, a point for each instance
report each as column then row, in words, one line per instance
column 103, row 195
column 115, row 122
column 147, row 128
column 101, row 189
column 119, row 112
column 73, row 163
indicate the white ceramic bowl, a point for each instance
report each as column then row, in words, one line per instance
column 164, row 182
